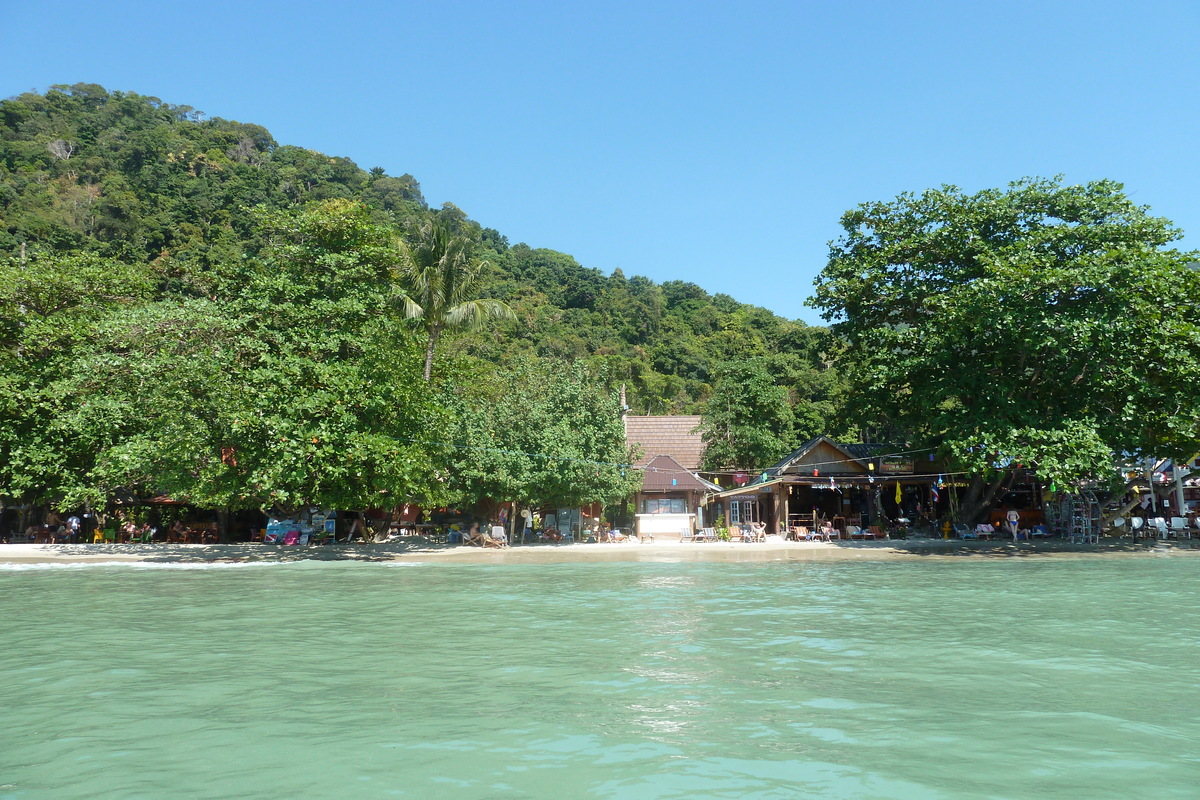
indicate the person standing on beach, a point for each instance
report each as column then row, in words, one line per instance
column 1014, row 522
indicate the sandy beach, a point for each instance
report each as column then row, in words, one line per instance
column 417, row 550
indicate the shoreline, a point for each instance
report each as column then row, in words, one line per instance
column 423, row 552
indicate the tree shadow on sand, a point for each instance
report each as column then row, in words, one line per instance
column 244, row 553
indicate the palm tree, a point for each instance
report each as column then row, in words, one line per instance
column 441, row 274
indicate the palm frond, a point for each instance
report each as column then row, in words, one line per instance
column 473, row 315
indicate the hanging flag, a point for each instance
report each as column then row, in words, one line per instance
column 933, row 493
column 899, row 496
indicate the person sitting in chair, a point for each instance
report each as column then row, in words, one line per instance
column 826, row 531
column 475, row 536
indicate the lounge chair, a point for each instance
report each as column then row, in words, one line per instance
column 873, row 531
column 498, row 537
column 963, row 532
column 740, row 533
column 816, row 534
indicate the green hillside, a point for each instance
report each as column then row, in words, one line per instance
column 133, row 178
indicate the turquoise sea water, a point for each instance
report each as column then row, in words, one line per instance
column 1015, row 678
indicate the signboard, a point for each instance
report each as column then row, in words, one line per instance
column 895, row 466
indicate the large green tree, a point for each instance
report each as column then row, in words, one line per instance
column 293, row 383
column 748, row 423
column 1042, row 325
column 544, row 433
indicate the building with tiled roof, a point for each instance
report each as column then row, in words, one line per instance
column 666, row 436
column 668, row 505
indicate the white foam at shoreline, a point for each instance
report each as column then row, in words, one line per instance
column 18, row 567
column 180, row 565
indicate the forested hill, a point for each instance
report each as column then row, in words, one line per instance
column 134, row 178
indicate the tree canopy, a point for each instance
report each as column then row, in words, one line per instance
column 1041, row 325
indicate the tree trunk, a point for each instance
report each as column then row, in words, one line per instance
column 223, row 525
column 981, row 495
column 1107, row 521
column 434, row 333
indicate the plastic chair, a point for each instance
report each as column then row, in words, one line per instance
column 1179, row 527
column 1160, row 526
column 1136, row 525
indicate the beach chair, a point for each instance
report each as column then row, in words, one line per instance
column 1136, row 525
column 498, row 537
column 963, row 532
column 855, row 532
column 873, row 531
column 1039, row 530
column 739, row 533
column 1159, row 525
column 816, row 534
column 1179, row 527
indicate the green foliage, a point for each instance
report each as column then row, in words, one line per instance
column 180, row 293
column 293, row 385
column 1042, row 325
column 442, row 275
column 544, row 433
column 748, row 423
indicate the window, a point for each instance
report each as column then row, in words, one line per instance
column 664, row 505
column 743, row 512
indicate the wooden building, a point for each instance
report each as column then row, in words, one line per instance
column 847, row 484
column 670, row 500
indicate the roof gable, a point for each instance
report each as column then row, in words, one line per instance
column 665, row 474
column 825, row 455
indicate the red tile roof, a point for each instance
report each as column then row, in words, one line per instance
column 666, row 436
column 665, row 474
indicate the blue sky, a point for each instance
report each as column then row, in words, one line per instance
column 714, row 142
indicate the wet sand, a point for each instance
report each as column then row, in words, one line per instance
column 417, row 550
